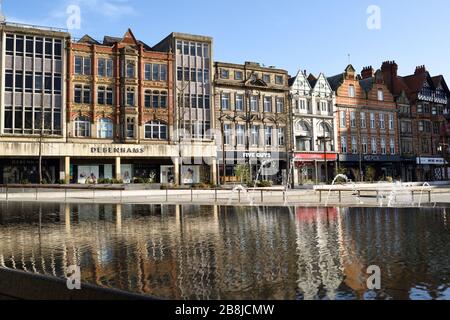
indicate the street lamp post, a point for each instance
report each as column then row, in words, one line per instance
column 325, row 140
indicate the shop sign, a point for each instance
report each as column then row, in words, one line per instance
column 117, row 150
column 431, row 161
column 314, row 156
column 256, row 155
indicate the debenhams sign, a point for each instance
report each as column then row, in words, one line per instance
column 117, row 150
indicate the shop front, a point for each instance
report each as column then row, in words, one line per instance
column 263, row 166
column 79, row 163
column 311, row 168
column 374, row 167
column 431, row 169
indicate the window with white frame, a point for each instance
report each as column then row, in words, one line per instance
column 343, row 119
column 380, row 95
column 130, row 128
column 281, row 137
column 227, row 134
column 351, row 91
column 302, row 105
column 105, row 128
column 353, row 119
column 382, row 121
column 344, row 144
column 82, row 94
column 280, row 105
column 354, row 145
column 372, row 121
column 383, row 146
column 255, row 136
column 130, row 97
column 267, row 104
column 324, row 106
column 225, row 104
column 104, row 95
column 156, row 130
column 391, row 121
column 82, row 65
column 363, row 120
column 240, row 134
column 105, row 67
column 364, row 145
column 392, row 146
column 130, row 69
column 82, row 126
column 239, row 102
column 374, row 145
column 254, row 104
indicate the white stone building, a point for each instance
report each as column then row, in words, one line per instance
column 314, row 128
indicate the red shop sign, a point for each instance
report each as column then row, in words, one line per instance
column 315, row 156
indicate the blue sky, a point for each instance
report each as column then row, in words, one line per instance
column 289, row 34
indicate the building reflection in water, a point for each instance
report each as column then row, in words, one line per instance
column 201, row 252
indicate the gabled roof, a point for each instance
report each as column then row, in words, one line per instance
column 291, row 81
column 440, row 80
column 312, row 80
column 367, row 84
column 88, row 39
column 128, row 38
column 336, row 81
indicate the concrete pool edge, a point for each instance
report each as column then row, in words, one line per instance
column 20, row 285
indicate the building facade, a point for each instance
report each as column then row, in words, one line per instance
column 367, row 124
column 193, row 105
column 254, row 120
column 32, row 102
column 314, row 135
column 422, row 101
column 120, row 104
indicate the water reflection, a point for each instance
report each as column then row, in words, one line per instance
column 198, row 252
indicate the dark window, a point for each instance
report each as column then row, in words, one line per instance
column 58, row 49
column 38, row 82
column 58, row 81
column 9, row 45
column 78, row 93
column 87, row 95
column 163, row 73
column 48, row 83
column 180, row 74
column 48, row 49
column 8, row 119
column 148, row 99
column 29, row 82
column 101, row 95
column 19, row 45
column 18, row 120
column 8, row 80
column 30, row 47
column 39, row 47
column 19, row 81
column 156, row 72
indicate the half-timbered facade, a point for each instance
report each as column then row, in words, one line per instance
column 314, row 128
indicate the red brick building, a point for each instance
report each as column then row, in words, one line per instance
column 367, row 125
column 120, row 110
column 422, row 101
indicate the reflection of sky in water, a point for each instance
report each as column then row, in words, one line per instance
column 193, row 252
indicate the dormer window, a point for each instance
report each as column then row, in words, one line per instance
column 238, row 75
column 266, row 78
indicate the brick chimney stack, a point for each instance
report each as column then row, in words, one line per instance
column 420, row 69
column 367, row 72
column 390, row 74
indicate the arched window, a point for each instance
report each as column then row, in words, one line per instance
column 303, row 139
column 148, row 98
column 105, row 128
column 324, row 130
column 156, row 130
column 325, row 135
column 82, row 127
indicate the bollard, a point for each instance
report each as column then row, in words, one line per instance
column 36, row 194
column 320, row 196
column 262, row 197
column 412, row 195
column 167, row 195
column 239, row 192
column 215, row 196
column 340, row 196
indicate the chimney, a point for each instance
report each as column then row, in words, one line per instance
column 390, row 74
column 367, row 72
column 420, row 69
